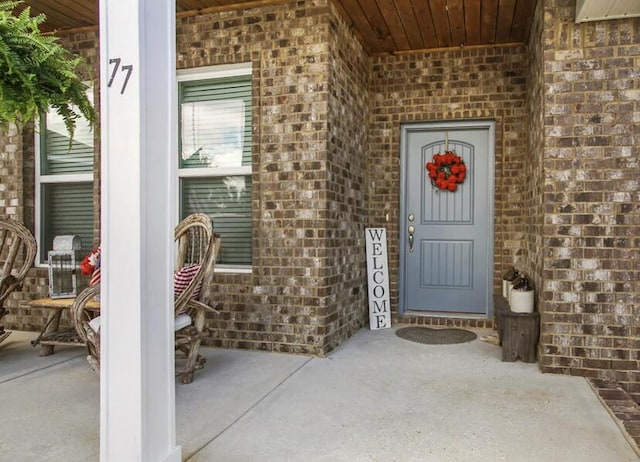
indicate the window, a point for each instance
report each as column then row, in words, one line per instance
column 215, row 150
column 64, row 182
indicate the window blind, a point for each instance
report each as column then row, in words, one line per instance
column 58, row 157
column 67, row 208
column 65, row 205
column 216, row 133
column 215, row 120
column 227, row 200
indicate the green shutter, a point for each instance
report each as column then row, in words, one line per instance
column 227, row 200
column 67, row 208
column 215, row 123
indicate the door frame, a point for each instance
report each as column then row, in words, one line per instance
column 454, row 125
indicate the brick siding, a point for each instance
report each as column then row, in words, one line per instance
column 347, row 172
column 305, row 292
column 590, row 293
column 326, row 165
column 533, row 173
column 18, row 157
column 12, row 200
column 533, row 180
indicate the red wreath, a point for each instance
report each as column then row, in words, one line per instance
column 447, row 171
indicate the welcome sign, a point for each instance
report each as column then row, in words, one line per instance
column 378, row 278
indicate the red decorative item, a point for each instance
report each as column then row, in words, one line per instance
column 447, row 171
column 90, row 266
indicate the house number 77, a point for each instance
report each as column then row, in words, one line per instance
column 127, row 69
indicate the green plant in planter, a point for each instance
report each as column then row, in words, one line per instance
column 37, row 73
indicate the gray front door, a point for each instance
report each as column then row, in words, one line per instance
column 447, row 237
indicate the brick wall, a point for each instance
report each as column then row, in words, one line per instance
column 449, row 85
column 16, row 202
column 303, row 294
column 19, row 183
column 12, row 200
column 346, row 170
column 306, row 290
column 590, row 297
column 292, row 300
column 533, row 174
column 326, row 164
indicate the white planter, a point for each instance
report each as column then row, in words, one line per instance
column 521, row 301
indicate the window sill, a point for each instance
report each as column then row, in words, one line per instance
column 231, row 270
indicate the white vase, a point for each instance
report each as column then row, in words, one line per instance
column 521, row 301
column 509, row 290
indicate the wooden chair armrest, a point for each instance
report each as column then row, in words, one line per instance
column 7, row 286
column 198, row 305
column 79, row 313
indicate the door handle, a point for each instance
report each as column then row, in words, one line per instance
column 411, row 230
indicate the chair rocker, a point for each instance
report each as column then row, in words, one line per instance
column 197, row 249
column 17, row 255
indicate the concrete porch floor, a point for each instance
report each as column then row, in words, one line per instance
column 376, row 398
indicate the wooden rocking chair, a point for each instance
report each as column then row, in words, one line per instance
column 14, row 265
column 197, row 246
column 197, row 249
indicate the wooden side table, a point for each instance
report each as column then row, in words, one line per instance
column 51, row 334
column 518, row 332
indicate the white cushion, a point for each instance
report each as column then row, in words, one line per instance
column 95, row 324
column 182, row 321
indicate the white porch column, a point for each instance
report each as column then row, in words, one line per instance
column 137, row 54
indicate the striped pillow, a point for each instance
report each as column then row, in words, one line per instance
column 183, row 277
column 95, row 277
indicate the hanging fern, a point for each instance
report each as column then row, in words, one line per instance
column 36, row 73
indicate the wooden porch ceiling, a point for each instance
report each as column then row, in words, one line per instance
column 382, row 26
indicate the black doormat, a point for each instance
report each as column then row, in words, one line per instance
column 435, row 336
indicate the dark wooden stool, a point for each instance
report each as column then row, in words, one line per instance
column 518, row 332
